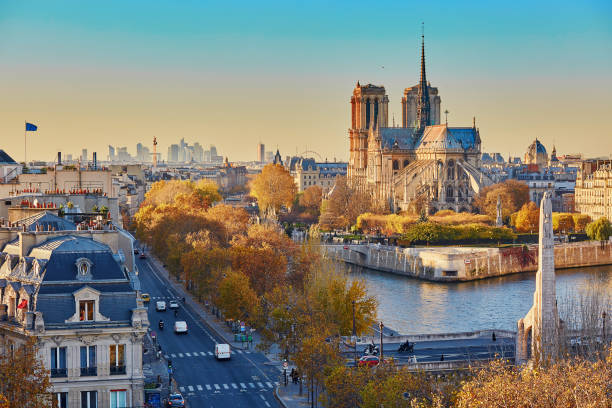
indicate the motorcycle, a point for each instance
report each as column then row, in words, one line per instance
column 371, row 349
column 161, row 325
column 406, row 347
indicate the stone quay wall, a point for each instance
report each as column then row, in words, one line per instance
column 448, row 264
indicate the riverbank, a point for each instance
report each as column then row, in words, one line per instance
column 457, row 264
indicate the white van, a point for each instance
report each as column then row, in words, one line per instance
column 222, row 351
column 180, row 327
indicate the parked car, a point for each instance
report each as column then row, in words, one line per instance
column 160, row 306
column 136, row 251
column 180, row 327
column 174, row 304
column 145, row 297
column 368, row 361
column 143, row 255
column 222, row 351
column 176, row 400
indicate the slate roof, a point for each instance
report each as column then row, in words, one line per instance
column 5, row 158
column 62, row 266
column 47, row 221
column 54, row 289
column 444, row 137
column 402, row 138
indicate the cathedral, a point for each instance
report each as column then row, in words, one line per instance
column 420, row 161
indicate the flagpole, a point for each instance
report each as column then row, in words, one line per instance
column 25, row 147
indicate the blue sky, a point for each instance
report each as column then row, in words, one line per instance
column 236, row 73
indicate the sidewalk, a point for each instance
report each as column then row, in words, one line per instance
column 287, row 396
column 155, row 371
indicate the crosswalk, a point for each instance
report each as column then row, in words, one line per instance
column 221, row 387
column 193, row 354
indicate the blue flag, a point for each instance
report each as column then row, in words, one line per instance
column 30, row 127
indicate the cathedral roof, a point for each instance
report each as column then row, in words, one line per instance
column 536, row 147
column 403, row 137
column 444, row 137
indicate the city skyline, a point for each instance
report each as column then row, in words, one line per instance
column 215, row 75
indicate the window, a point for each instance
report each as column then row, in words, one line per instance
column 88, row 361
column 118, row 399
column 60, row 400
column 117, row 359
column 58, row 362
column 86, row 310
column 89, row 399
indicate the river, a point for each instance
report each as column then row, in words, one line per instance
column 412, row 306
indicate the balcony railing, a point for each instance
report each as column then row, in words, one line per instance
column 58, row 372
column 117, row 370
column 89, row 371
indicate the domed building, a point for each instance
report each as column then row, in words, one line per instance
column 536, row 154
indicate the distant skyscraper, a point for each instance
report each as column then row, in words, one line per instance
column 269, row 157
column 198, row 152
column 261, row 153
column 111, row 153
column 84, row 156
column 173, row 153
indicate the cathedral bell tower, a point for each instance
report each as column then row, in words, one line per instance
column 423, row 114
column 369, row 110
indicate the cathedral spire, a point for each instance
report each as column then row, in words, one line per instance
column 423, row 107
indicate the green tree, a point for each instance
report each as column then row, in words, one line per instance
column 599, row 230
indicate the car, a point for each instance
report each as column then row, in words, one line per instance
column 135, row 251
column 160, row 306
column 180, row 327
column 174, row 304
column 223, row 351
column 145, row 297
column 176, row 400
column 368, row 361
column 143, row 255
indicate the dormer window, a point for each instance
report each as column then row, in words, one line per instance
column 86, row 310
column 84, row 266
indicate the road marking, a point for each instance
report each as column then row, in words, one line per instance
column 262, row 397
column 166, row 356
column 267, row 403
column 251, row 385
column 182, row 389
column 234, row 386
column 242, row 385
column 199, row 387
column 276, row 383
column 247, row 352
column 208, row 387
column 260, row 385
column 190, row 388
column 269, row 384
column 173, row 355
column 210, row 353
column 225, row 386
column 188, row 354
column 180, row 355
column 238, row 351
column 203, row 354
column 217, row 387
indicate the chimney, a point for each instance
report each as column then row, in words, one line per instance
column 95, row 160
column 59, row 157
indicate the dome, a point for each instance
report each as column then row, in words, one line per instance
column 536, row 147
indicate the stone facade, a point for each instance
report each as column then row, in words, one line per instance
column 307, row 172
column 538, row 331
column 593, row 192
column 76, row 293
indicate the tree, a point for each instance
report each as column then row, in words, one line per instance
column 274, row 188
column 235, row 220
column 513, row 193
column 311, row 199
column 345, row 204
column 528, row 218
column 599, row 230
column 580, row 221
column 563, row 222
column 24, row 381
column 264, row 267
column 236, row 298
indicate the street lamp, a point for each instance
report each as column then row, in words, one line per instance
column 381, row 325
column 354, row 339
column 603, row 317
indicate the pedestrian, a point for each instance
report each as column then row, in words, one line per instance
column 442, row 357
column 493, row 336
column 292, row 375
column 296, row 377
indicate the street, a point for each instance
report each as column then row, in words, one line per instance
column 243, row 381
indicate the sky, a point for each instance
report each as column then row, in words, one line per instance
column 234, row 74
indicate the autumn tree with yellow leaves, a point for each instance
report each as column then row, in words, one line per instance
column 274, row 188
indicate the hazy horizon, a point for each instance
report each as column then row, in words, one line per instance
column 282, row 73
